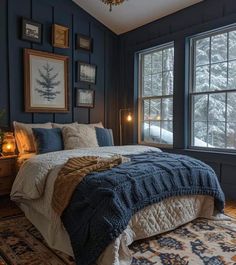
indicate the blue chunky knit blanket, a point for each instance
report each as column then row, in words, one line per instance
column 103, row 203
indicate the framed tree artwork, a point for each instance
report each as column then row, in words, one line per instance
column 46, row 82
column 87, row 72
column 85, row 98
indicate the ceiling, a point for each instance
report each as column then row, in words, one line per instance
column 132, row 13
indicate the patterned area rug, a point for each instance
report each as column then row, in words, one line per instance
column 22, row 244
column 199, row 242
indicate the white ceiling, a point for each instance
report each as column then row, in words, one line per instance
column 132, row 13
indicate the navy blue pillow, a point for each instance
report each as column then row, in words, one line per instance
column 48, row 140
column 104, row 137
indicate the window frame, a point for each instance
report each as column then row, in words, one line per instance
column 191, row 76
column 141, row 55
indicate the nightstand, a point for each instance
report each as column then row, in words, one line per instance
column 7, row 173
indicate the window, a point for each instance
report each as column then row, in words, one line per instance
column 156, row 95
column 213, row 90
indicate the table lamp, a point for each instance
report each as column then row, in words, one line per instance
column 9, row 144
column 128, row 118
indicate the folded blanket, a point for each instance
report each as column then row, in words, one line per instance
column 104, row 202
column 73, row 173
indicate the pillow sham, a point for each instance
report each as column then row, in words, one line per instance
column 79, row 136
column 61, row 125
column 104, row 137
column 93, row 125
column 24, row 136
column 48, row 140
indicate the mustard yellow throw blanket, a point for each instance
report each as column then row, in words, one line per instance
column 73, row 172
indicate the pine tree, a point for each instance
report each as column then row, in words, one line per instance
column 48, row 83
column 216, row 112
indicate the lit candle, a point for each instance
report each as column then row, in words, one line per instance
column 9, row 145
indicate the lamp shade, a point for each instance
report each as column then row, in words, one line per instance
column 9, row 144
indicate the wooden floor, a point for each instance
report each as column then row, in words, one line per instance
column 8, row 208
column 230, row 209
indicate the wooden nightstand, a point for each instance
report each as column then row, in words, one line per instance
column 7, row 173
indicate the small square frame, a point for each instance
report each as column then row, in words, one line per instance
column 28, row 33
column 87, row 73
column 84, row 43
column 60, row 36
column 85, row 98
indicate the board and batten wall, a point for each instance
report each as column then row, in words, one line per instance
column 204, row 16
column 104, row 55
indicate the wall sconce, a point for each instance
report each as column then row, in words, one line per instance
column 9, row 144
column 128, row 118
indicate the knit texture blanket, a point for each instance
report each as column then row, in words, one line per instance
column 73, row 172
column 103, row 203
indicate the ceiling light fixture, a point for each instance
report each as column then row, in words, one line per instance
column 112, row 3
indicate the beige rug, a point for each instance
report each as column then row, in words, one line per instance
column 200, row 242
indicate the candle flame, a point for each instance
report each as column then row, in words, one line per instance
column 8, row 146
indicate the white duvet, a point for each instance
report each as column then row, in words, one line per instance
column 33, row 189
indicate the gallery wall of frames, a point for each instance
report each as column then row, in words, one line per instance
column 74, row 61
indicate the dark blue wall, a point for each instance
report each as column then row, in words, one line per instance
column 201, row 17
column 67, row 13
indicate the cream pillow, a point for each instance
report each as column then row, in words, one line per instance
column 24, row 136
column 61, row 125
column 93, row 125
column 79, row 136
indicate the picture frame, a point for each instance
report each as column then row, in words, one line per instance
column 84, row 42
column 60, row 36
column 87, row 73
column 85, row 98
column 45, row 82
column 31, row 30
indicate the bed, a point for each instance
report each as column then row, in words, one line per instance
column 33, row 189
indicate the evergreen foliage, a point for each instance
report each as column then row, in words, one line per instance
column 48, row 83
column 214, row 115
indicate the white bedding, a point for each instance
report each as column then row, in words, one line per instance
column 33, row 189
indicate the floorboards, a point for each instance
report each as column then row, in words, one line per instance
column 230, row 209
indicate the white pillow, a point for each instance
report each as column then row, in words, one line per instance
column 99, row 124
column 24, row 136
column 61, row 125
column 79, row 136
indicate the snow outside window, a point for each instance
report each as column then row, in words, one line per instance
column 156, row 95
column 213, row 90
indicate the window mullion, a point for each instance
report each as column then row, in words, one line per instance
column 161, row 114
column 227, row 60
column 210, row 63
column 208, row 103
column 226, row 119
